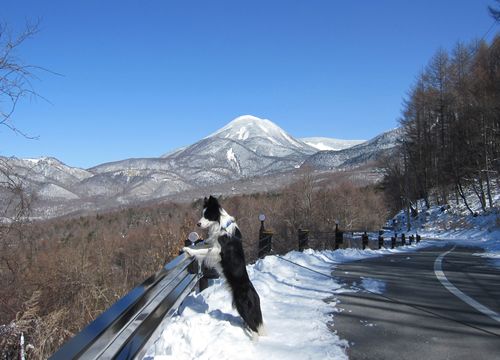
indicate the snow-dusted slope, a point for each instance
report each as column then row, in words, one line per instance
column 46, row 169
column 48, row 178
column 245, row 147
column 357, row 155
column 324, row 144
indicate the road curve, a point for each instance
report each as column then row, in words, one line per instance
column 416, row 317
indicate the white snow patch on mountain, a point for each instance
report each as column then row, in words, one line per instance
column 323, row 143
column 231, row 157
column 242, row 133
column 263, row 128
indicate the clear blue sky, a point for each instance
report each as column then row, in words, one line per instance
column 143, row 77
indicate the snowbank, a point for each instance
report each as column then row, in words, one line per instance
column 297, row 305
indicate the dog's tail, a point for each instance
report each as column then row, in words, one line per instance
column 247, row 302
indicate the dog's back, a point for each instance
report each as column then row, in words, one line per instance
column 245, row 297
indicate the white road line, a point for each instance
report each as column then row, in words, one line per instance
column 438, row 270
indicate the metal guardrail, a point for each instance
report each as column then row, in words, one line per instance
column 122, row 331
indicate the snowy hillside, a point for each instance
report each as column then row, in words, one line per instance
column 357, row 155
column 48, row 177
column 325, row 144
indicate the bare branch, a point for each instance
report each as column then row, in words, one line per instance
column 15, row 76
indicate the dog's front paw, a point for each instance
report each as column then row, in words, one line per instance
column 187, row 251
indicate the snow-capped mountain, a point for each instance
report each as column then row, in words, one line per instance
column 325, row 144
column 357, row 155
column 48, row 177
column 262, row 136
column 246, row 148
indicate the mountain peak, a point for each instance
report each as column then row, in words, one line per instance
column 247, row 119
column 247, row 126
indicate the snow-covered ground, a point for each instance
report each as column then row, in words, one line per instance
column 454, row 224
column 298, row 304
column 482, row 231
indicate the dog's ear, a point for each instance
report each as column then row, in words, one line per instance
column 213, row 201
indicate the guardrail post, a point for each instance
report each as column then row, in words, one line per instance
column 418, row 238
column 339, row 237
column 393, row 242
column 265, row 239
column 265, row 243
column 403, row 239
column 364, row 240
column 208, row 273
column 194, row 267
column 303, row 239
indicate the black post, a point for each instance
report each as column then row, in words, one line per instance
column 265, row 241
column 393, row 242
column 303, row 239
column 339, row 237
column 193, row 267
column 364, row 239
column 208, row 273
column 202, row 284
column 418, row 238
column 403, row 239
column 411, row 238
column 380, row 239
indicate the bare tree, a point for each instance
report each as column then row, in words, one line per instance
column 495, row 12
column 16, row 77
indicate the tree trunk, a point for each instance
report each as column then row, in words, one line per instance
column 464, row 198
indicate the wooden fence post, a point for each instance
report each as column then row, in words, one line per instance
column 364, row 240
column 265, row 239
column 339, row 237
column 303, row 239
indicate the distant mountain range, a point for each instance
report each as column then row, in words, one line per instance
column 245, row 149
column 357, row 155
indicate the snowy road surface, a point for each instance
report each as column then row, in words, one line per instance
column 417, row 317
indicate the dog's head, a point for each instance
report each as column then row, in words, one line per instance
column 211, row 213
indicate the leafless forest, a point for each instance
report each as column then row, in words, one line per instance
column 451, row 120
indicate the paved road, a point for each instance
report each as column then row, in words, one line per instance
column 417, row 317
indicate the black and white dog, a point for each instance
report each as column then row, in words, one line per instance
column 225, row 254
